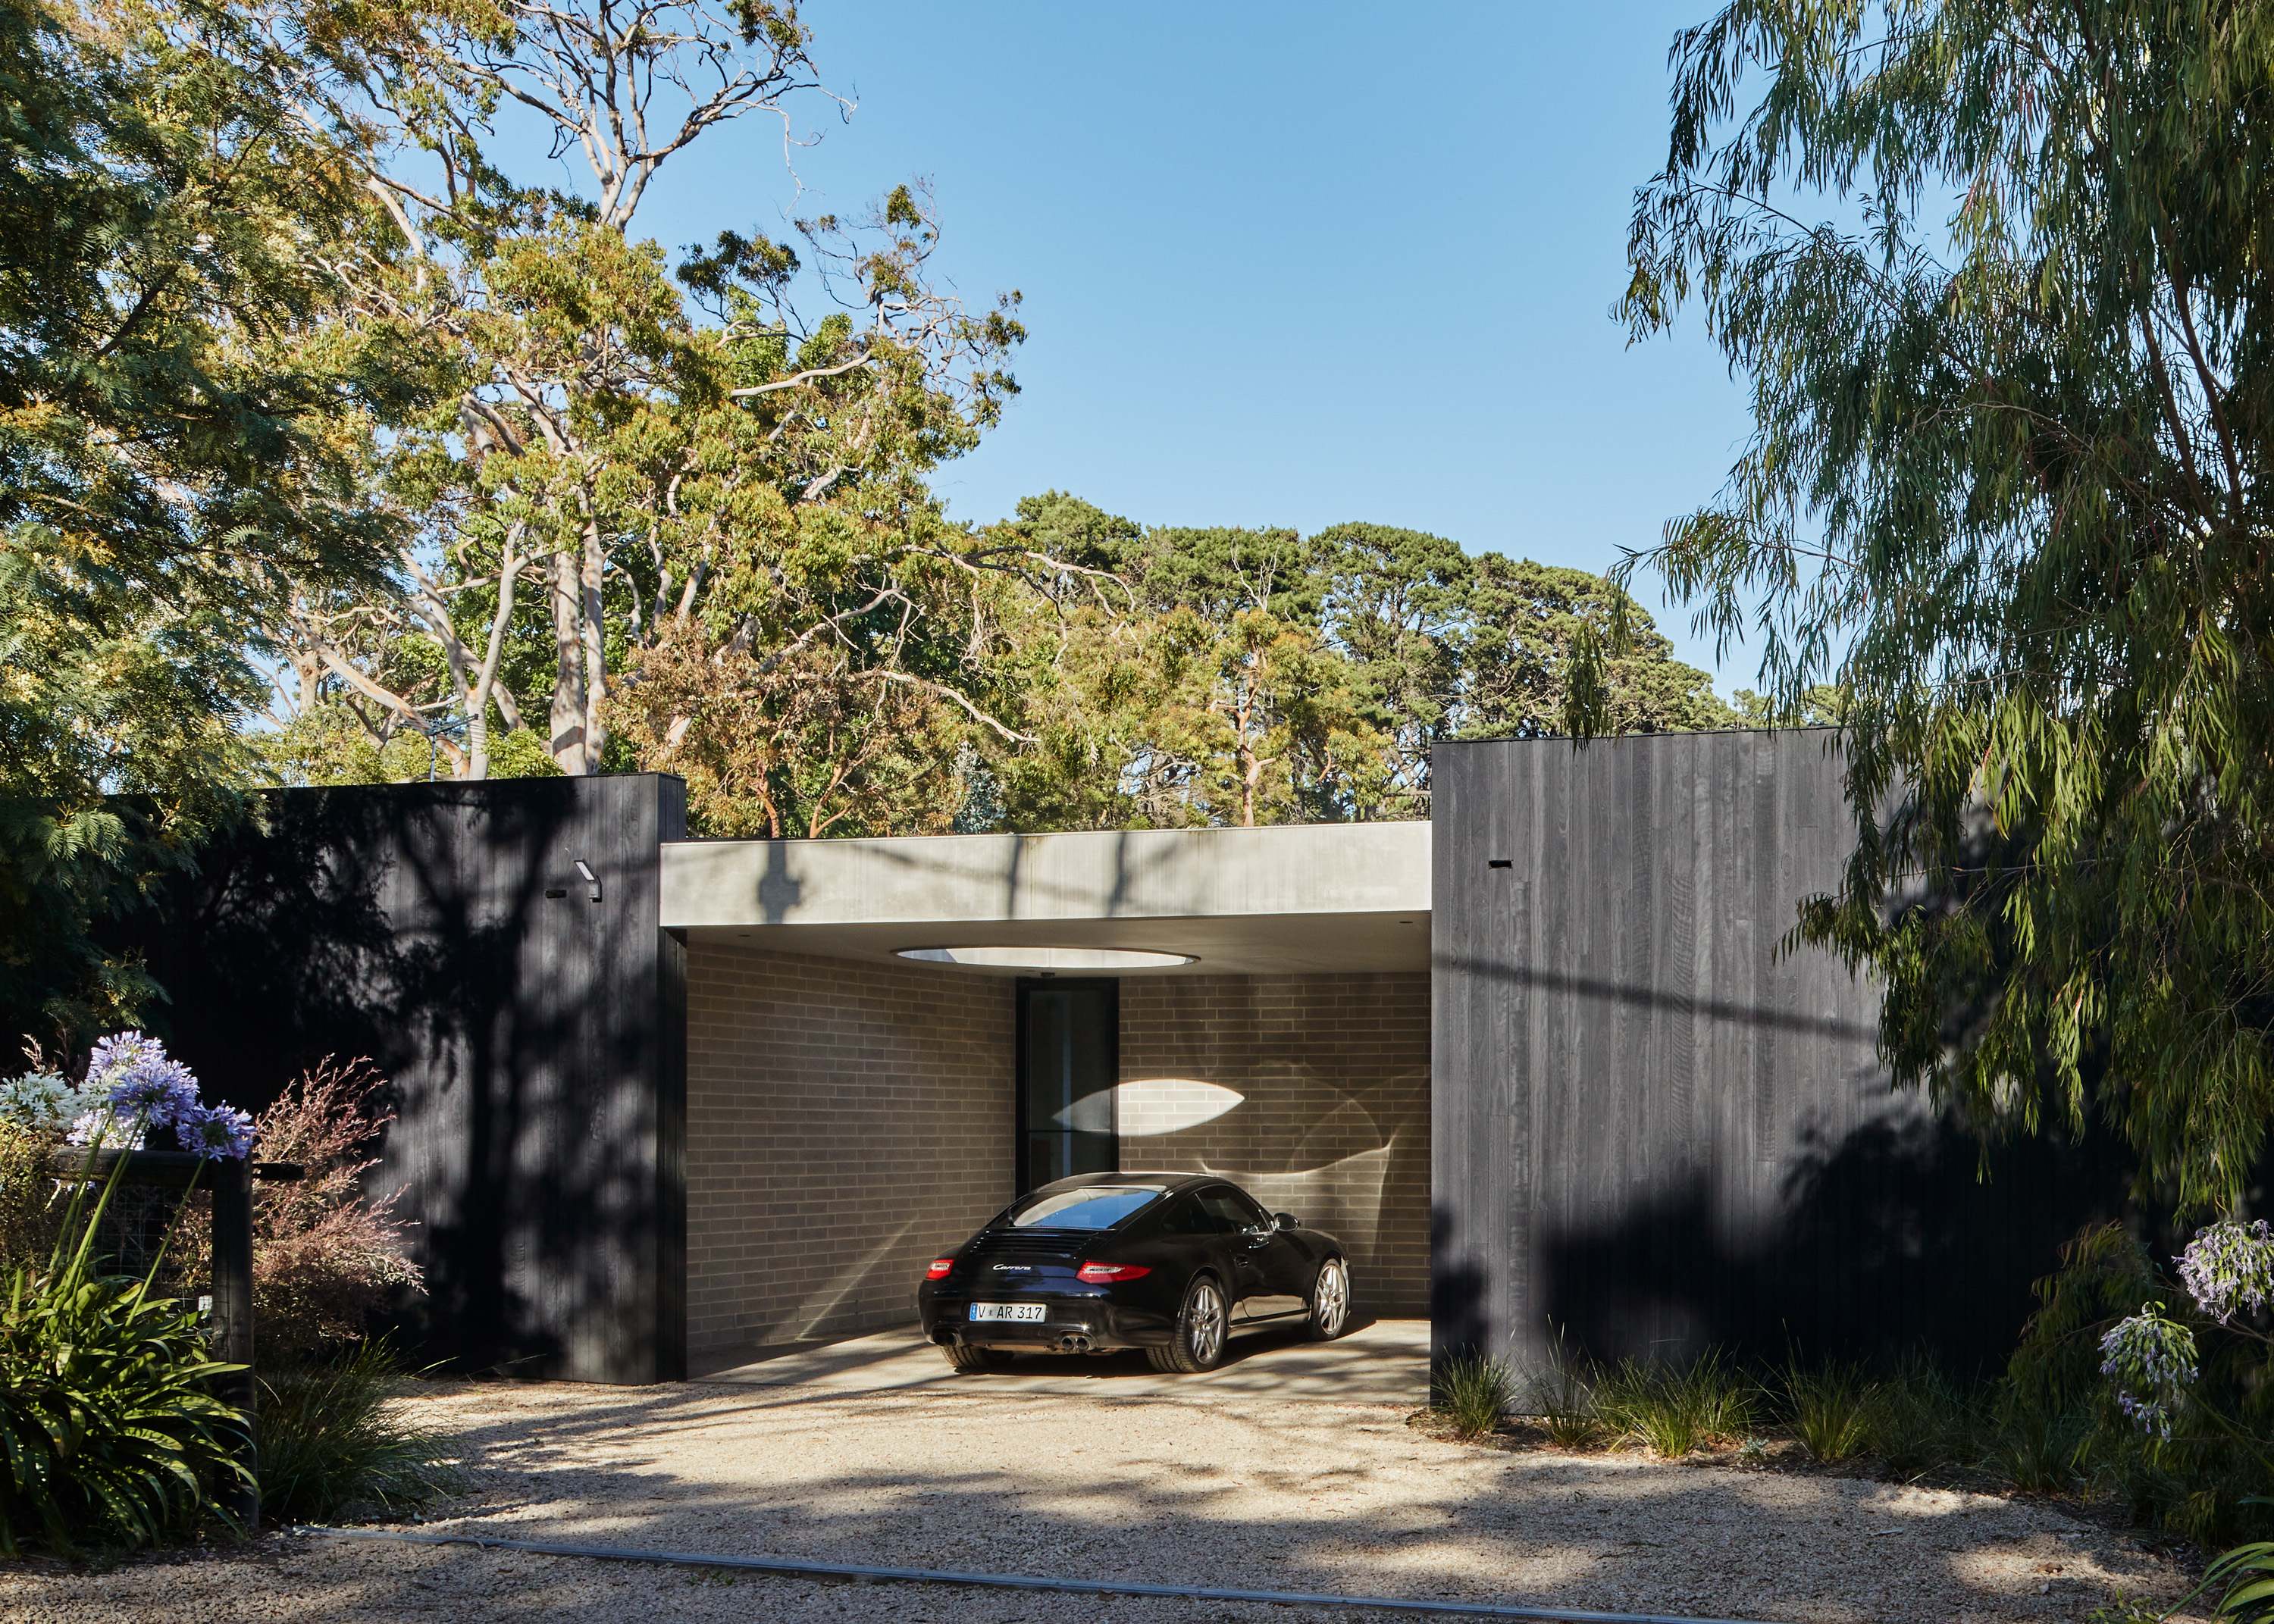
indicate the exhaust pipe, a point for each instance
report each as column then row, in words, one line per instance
column 1075, row 1343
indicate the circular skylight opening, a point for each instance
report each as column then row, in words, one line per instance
column 1049, row 958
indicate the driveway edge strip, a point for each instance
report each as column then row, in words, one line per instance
column 1016, row 1582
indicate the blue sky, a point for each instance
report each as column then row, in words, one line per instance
column 1284, row 265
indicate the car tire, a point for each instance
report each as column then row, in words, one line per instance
column 1202, row 1325
column 976, row 1359
column 1330, row 1301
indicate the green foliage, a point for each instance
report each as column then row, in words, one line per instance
column 171, row 443
column 27, row 1215
column 2243, row 1580
column 1471, row 1392
column 112, row 1432
column 2005, row 492
column 521, row 754
column 1830, row 1407
column 1921, row 1418
column 1530, row 627
column 1222, row 675
column 1675, row 1408
column 329, row 1439
column 328, row 745
column 1822, row 706
column 1563, row 1394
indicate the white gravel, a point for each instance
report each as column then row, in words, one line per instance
column 1223, row 1489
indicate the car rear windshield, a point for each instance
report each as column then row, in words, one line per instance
column 1096, row 1209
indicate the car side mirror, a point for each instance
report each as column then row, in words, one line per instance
column 1287, row 1220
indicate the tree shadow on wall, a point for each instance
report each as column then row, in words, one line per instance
column 277, row 951
column 392, row 922
column 1896, row 1237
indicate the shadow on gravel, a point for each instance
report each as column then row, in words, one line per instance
column 1268, row 1502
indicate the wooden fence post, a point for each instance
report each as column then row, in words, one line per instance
column 232, row 1317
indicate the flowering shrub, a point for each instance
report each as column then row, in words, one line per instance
column 2162, row 1402
column 133, row 1090
column 2229, row 1269
column 323, row 1257
column 108, row 1414
column 2151, row 1361
column 46, row 1104
column 146, row 1090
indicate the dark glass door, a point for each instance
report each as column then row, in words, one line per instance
column 1069, row 1060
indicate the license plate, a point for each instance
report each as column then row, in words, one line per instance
column 1022, row 1312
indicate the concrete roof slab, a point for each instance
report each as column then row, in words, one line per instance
column 1304, row 898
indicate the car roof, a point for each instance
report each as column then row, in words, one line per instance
column 1125, row 1180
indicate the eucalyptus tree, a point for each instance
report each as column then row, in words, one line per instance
column 716, row 468
column 181, row 434
column 2004, row 492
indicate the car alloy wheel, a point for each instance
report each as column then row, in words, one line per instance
column 1199, row 1343
column 1206, row 1334
column 1330, row 1296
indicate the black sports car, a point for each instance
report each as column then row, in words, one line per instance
column 1170, row 1263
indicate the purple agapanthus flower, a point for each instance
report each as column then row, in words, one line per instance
column 159, row 1091
column 147, row 1089
column 215, row 1131
column 2152, row 1362
column 113, row 1054
column 2229, row 1268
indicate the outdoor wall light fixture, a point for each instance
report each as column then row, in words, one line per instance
column 1048, row 960
column 591, row 878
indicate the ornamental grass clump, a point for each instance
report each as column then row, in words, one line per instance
column 1829, row 1409
column 1562, row 1396
column 1472, row 1393
column 1675, row 1408
column 1920, row 1417
column 330, row 1438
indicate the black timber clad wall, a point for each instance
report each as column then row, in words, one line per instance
column 536, row 1045
column 1654, row 1133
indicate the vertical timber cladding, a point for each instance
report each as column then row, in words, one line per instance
column 1652, row 1132
column 537, row 1042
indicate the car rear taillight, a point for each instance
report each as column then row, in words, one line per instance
column 1106, row 1273
column 939, row 1268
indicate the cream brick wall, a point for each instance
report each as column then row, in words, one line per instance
column 844, row 1122
column 1331, row 1117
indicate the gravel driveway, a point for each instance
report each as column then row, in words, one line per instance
column 1230, row 1488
